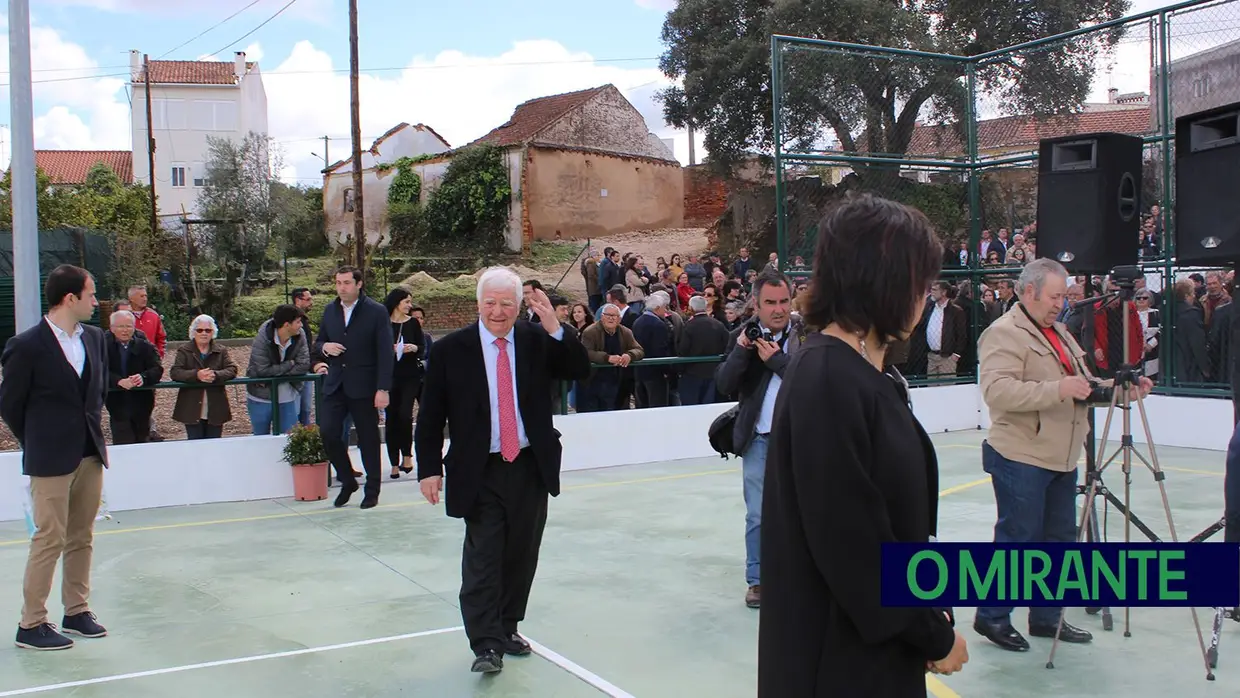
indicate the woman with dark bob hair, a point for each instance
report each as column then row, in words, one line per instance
column 849, row 469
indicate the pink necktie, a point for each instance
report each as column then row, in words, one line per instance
column 509, row 443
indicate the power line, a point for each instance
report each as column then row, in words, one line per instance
column 212, row 27
column 243, row 36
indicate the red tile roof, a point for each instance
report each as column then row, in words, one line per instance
column 71, row 166
column 1027, row 131
column 532, row 117
column 193, row 72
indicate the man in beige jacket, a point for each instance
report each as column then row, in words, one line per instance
column 1034, row 380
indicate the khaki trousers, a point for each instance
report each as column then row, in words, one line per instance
column 939, row 365
column 65, row 508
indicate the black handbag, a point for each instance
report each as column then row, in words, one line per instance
column 721, row 430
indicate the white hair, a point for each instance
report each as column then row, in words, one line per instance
column 499, row 277
column 121, row 314
column 657, row 300
column 609, row 306
column 204, row 319
column 1036, row 272
column 697, row 304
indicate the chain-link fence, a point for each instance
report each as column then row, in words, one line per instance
column 958, row 137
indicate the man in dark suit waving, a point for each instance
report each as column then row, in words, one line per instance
column 491, row 384
column 51, row 396
column 355, row 339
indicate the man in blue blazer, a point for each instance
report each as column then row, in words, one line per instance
column 355, row 339
column 51, row 396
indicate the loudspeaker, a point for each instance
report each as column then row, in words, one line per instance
column 1089, row 191
column 1207, row 187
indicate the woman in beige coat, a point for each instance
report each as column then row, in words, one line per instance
column 204, row 411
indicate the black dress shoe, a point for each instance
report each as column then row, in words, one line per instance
column 487, row 662
column 516, row 645
column 346, row 491
column 1002, row 634
column 370, row 502
column 84, row 624
column 1068, row 633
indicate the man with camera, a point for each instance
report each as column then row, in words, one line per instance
column 1038, row 388
column 757, row 353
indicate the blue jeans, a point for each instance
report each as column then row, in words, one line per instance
column 1035, row 505
column 753, row 474
column 696, row 391
column 1231, row 489
column 261, row 414
column 307, row 402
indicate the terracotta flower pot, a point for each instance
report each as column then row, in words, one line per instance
column 310, row 482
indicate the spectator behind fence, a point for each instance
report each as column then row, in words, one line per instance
column 133, row 362
column 204, row 411
column 654, row 336
column 279, row 349
column 607, row 342
column 703, row 335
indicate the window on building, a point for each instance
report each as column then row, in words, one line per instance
column 199, row 172
column 178, row 175
column 214, row 116
column 348, row 200
column 1201, row 86
column 166, row 115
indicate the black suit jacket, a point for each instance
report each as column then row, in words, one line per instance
column 43, row 401
column 370, row 359
column 143, row 359
column 456, row 393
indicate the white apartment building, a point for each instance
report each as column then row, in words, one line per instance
column 190, row 100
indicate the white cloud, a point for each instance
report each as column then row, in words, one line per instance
column 83, row 113
column 460, row 96
column 665, row 5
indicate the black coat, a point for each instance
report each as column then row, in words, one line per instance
column 46, row 405
column 143, row 359
column 455, row 392
column 366, row 367
column 849, row 468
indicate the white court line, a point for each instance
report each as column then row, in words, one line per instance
column 226, row 662
column 573, row 668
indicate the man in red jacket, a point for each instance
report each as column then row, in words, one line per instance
column 1108, row 326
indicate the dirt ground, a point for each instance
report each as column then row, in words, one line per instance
column 650, row 244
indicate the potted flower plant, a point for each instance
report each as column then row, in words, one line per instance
column 304, row 451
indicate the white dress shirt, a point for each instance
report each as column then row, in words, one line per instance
column 490, row 359
column 71, row 345
column 348, row 311
column 766, row 415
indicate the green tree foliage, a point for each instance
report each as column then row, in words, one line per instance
column 103, row 203
column 720, row 51
column 248, row 207
column 467, row 210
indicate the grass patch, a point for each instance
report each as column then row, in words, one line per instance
column 314, row 273
column 544, row 254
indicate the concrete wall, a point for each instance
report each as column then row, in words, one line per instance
column 410, row 141
column 177, row 473
column 183, row 117
column 581, row 194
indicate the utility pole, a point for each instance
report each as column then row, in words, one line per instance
column 26, row 275
column 359, row 230
column 150, row 146
column 326, row 144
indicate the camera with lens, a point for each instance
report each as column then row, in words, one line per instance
column 1098, row 395
column 754, row 331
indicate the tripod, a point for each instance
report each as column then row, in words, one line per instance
column 1122, row 397
column 1220, row 614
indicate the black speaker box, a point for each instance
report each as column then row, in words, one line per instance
column 1089, row 200
column 1207, row 187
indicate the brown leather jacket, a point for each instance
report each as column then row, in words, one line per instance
column 185, row 366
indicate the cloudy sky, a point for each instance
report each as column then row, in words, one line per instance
column 459, row 67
